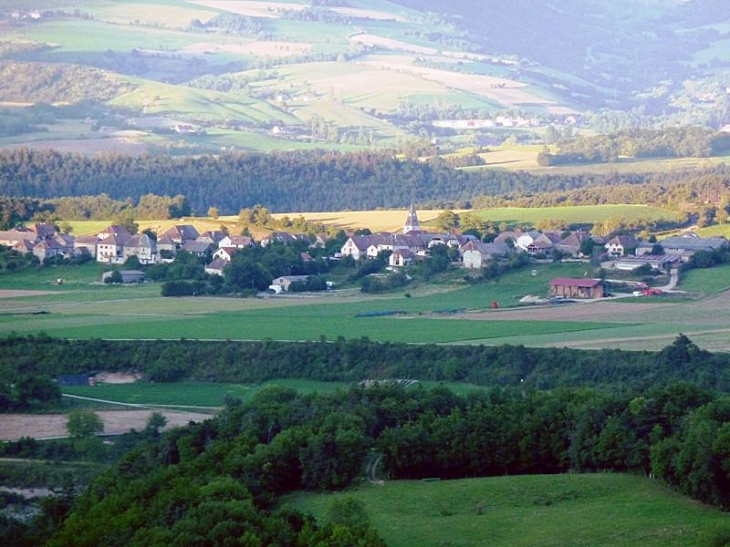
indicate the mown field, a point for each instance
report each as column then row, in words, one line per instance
column 452, row 312
column 80, row 310
column 547, row 510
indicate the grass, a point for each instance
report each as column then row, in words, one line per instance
column 707, row 281
column 576, row 214
column 80, row 310
column 547, row 510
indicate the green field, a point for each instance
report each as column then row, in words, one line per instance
column 576, row 214
column 547, row 510
column 78, row 309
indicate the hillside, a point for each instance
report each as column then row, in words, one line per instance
column 199, row 76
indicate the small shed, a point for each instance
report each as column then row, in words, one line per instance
column 568, row 287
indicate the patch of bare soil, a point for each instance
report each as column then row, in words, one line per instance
column 42, row 426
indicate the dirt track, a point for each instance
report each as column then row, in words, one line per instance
column 40, row 426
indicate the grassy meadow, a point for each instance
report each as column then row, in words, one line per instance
column 547, row 510
column 447, row 312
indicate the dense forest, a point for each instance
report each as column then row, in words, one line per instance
column 318, row 181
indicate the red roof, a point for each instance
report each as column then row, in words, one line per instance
column 572, row 282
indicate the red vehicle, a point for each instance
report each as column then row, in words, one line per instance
column 652, row 292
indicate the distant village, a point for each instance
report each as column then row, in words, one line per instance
column 115, row 245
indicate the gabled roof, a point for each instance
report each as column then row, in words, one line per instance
column 218, row 264
column 574, row 240
column 693, row 243
column 182, row 232
column 140, row 241
column 624, row 241
column 196, row 247
column 486, row 249
column 575, row 282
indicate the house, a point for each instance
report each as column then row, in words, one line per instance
column 225, row 253
column 13, row 238
column 282, row 284
column 476, row 255
column 198, row 248
column 572, row 243
column 656, row 262
column 621, row 246
column 238, row 242
column 48, row 249
column 128, row 276
column 166, row 245
column 503, row 237
column 143, row 247
column 687, row 245
column 43, row 231
column 401, row 257
column 282, row 237
column 392, row 242
column 217, row 266
column 213, row 236
column 568, row 287
column 181, row 234
column 644, row 247
column 357, row 246
column 110, row 244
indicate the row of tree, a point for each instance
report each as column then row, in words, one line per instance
column 355, row 360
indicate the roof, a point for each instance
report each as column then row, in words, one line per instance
column 624, row 241
column 217, row 264
column 574, row 282
column 693, row 243
column 196, row 246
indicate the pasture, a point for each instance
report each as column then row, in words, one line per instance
column 565, row 510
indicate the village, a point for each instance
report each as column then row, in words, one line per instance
column 118, row 248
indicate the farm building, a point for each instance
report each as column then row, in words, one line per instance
column 568, row 287
column 282, row 284
column 656, row 262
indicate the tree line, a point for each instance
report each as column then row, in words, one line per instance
column 355, row 360
column 676, row 142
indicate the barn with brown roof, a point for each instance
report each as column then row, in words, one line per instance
column 568, row 287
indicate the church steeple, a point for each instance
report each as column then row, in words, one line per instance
column 412, row 223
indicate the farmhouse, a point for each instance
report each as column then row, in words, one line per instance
column 568, row 287
column 476, row 255
column 110, row 245
column 621, row 245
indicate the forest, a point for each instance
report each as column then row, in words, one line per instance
column 323, row 181
column 219, row 481
column 540, row 411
